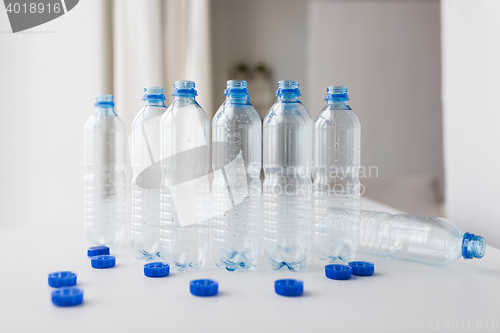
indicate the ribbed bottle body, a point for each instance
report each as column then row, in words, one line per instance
column 287, row 229
column 236, row 187
column 104, row 184
column 336, row 187
column 185, row 192
column 147, row 177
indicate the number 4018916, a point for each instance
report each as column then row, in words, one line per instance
column 33, row 8
column 471, row 324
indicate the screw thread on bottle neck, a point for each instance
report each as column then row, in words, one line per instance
column 288, row 90
column 154, row 96
column 237, row 91
column 473, row 246
column 183, row 88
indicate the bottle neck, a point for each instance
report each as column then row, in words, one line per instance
column 185, row 99
column 288, row 98
column 154, row 102
column 237, row 98
column 105, row 110
column 340, row 104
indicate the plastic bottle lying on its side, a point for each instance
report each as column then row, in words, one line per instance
column 427, row 240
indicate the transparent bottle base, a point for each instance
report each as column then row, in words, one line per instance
column 145, row 246
column 183, row 267
column 344, row 259
column 114, row 242
column 237, row 260
column 144, row 255
column 292, row 266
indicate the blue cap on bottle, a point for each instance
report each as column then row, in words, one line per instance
column 338, row 272
column 103, row 261
column 204, row 287
column 289, row 287
column 157, row 269
column 62, row 279
column 362, row 268
column 67, row 296
column 97, row 251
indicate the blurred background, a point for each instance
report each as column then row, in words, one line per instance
column 422, row 77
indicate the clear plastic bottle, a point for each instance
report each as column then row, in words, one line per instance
column 185, row 192
column 236, row 188
column 147, row 176
column 426, row 240
column 336, row 187
column 104, row 188
column 287, row 185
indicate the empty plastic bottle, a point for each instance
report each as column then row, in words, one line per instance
column 336, row 187
column 104, row 189
column 236, row 188
column 287, row 163
column 185, row 193
column 146, row 182
column 426, row 240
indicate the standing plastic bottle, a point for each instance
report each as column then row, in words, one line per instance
column 236, row 188
column 185, row 193
column 146, row 183
column 426, row 240
column 336, row 187
column 287, row 186
column 104, row 189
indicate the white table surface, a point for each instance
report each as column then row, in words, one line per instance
column 401, row 296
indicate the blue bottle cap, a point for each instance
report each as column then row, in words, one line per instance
column 157, row 269
column 62, row 279
column 103, row 261
column 289, row 287
column 97, row 251
column 67, row 296
column 338, row 272
column 204, row 287
column 362, row 268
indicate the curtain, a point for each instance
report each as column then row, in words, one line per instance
column 51, row 75
column 157, row 42
column 471, row 68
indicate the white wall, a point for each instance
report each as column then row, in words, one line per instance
column 49, row 78
column 388, row 55
column 471, row 71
